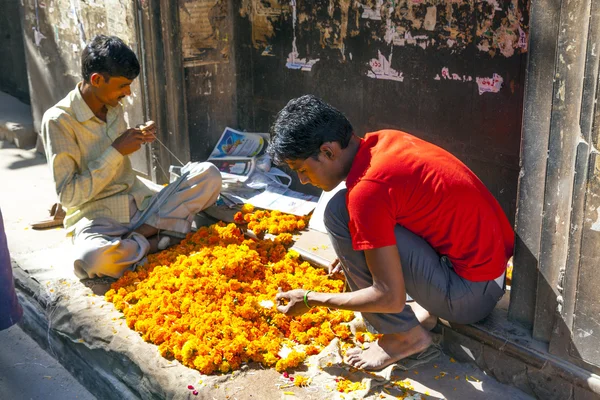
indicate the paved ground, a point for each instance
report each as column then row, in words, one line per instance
column 28, row 372
column 27, row 194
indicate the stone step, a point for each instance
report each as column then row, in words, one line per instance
column 16, row 122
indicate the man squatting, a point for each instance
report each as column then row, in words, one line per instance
column 413, row 220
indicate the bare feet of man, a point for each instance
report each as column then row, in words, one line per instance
column 389, row 349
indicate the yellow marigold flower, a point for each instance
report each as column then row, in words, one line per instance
column 247, row 208
column 200, row 302
column 346, row 386
column 301, row 381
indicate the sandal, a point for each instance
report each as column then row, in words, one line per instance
column 57, row 216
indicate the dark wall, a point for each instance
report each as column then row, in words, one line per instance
column 13, row 79
column 351, row 45
column 448, row 71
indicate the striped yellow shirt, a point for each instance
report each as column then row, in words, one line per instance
column 92, row 178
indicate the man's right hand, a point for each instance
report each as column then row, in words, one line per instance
column 130, row 141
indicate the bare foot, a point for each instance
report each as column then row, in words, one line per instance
column 159, row 243
column 389, row 348
column 426, row 320
column 153, row 240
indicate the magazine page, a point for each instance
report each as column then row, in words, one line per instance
column 240, row 144
column 236, row 168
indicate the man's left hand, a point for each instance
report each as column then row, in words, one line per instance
column 149, row 132
column 295, row 302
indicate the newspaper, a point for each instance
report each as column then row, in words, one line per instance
column 247, row 178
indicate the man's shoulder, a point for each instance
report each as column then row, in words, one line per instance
column 60, row 111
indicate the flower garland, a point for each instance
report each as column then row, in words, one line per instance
column 208, row 302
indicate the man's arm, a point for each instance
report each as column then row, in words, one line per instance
column 74, row 186
column 387, row 294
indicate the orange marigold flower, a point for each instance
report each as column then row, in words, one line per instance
column 203, row 302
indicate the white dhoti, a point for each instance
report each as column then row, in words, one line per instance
column 105, row 247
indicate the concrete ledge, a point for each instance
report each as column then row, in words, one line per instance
column 88, row 337
column 16, row 122
column 508, row 353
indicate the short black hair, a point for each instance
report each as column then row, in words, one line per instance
column 303, row 125
column 109, row 56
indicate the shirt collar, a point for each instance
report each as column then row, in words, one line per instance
column 80, row 108
column 83, row 112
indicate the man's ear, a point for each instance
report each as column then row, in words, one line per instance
column 329, row 150
column 96, row 79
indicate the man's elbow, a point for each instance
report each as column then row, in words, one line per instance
column 396, row 303
column 391, row 301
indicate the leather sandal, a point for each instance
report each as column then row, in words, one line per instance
column 57, row 216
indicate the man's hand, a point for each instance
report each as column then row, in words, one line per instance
column 131, row 140
column 295, row 302
column 149, row 129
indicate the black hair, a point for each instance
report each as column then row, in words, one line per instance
column 303, row 125
column 109, row 56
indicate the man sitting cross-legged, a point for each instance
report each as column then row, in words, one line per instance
column 88, row 144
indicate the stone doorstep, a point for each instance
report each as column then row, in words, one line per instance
column 512, row 357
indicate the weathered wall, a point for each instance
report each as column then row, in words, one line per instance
column 210, row 70
column 13, row 79
column 449, row 71
column 55, row 32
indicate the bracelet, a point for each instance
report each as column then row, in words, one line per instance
column 306, row 299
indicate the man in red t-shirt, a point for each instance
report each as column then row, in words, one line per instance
column 414, row 220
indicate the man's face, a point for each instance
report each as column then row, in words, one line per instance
column 321, row 172
column 111, row 92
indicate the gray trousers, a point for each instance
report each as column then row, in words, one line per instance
column 428, row 277
column 105, row 247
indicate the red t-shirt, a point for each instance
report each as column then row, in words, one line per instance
column 397, row 178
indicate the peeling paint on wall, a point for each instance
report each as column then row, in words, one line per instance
column 446, row 75
column 496, row 28
column 203, row 34
column 484, row 84
column 490, row 85
column 261, row 15
column 293, row 60
column 381, row 69
column 596, row 224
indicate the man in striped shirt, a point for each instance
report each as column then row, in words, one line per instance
column 87, row 144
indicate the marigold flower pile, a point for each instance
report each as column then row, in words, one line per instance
column 274, row 222
column 208, row 302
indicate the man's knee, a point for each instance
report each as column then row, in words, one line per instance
column 214, row 179
column 109, row 258
column 336, row 212
column 210, row 179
